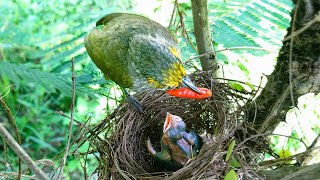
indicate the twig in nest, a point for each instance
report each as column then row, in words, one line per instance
column 83, row 166
column 244, row 167
column 71, row 120
column 82, row 126
column 234, row 81
column 249, row 138
column 64, row 115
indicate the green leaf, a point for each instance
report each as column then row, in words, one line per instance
column 232, row 175
column 234, row 163
column 230, row 149
column 236, row 86
column 243, row 68
column 250, row 86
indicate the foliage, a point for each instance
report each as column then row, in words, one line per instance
column 38, row 39
column 301, row 125
column 243, row 23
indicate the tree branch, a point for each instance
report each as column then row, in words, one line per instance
column 295, row 173
column 202, row 33
column 21, row 153
column 296, row 73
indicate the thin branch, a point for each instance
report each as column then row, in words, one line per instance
column 71, row 120
column 64, row 115
column 278, row 161
column 21, row 153
column 244, row 169
column 5, row 150
column 229, row 49
column 306, row 158
column 315, row 142
column 234, row 80
column 173, row 12
column 290, row 54
column 244, row 48
column 10, row 175
column 269, row 120
column 14, row 124
column 82, row 126
column 305, row 27
column 265, row 134
column 85, row 163
column 291, row 137
column 182, row 25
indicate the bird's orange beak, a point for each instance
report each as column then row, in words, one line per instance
column 167, row 122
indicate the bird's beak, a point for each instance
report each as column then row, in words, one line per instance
column 189, row 84
column 167, row 123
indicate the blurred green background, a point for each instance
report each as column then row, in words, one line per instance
column 38, row 38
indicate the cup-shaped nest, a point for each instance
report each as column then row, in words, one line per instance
column 123, row 152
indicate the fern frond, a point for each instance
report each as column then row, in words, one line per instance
column 19, row 74
column 57, row 59
column 243, row 23
column 222, row 8
column 64, row 66
column 248, row 25
column 64, row 44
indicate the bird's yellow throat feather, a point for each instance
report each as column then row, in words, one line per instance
column 172, row 77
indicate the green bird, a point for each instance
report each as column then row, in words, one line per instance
column 136, row 53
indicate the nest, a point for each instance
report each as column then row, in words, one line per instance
column 122, row 150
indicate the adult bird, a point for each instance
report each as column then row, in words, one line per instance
column 136, row 53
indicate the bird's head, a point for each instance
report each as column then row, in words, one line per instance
column 158, row 59
column 176, row 75
column 173, row 122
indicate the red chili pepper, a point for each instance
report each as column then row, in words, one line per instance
column 188, row 93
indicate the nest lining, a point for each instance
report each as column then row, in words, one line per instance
column 123, row 153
